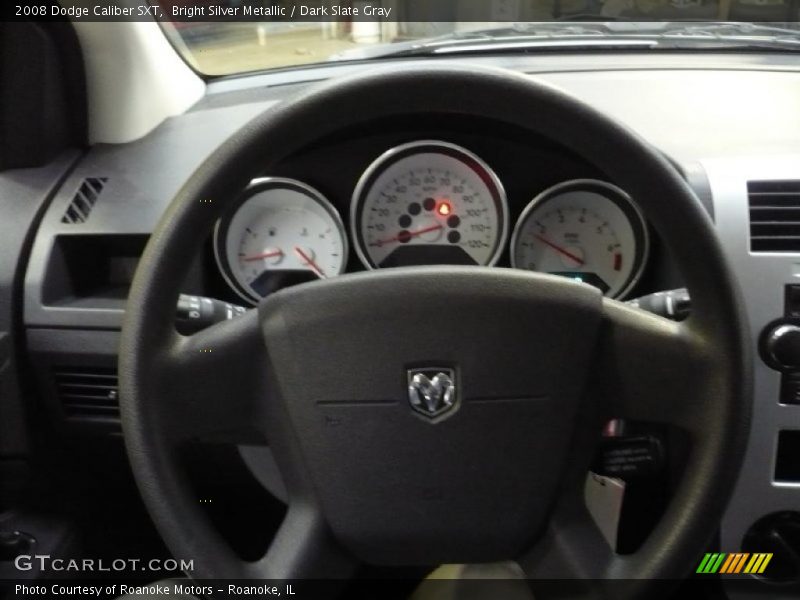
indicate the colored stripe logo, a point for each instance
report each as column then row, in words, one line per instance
column 734, row 563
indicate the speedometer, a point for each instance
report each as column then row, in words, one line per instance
column 587, row 230
column 428, row 203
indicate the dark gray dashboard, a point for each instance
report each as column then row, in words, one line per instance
column 724, row 120
column 691, row 108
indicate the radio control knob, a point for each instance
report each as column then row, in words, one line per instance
column 782, row 346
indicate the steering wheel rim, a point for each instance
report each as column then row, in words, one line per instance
column 706, row 360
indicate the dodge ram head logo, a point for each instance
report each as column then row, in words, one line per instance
column 431, row 391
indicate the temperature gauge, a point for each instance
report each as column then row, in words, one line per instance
column 282, row 232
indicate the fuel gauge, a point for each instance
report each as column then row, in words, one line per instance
column 280, row 233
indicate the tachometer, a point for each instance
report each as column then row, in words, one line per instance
column 426, row 203
column 587, row 230
column 280, row 232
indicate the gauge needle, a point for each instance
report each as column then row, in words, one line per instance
column 310, row 262
column 409, row 234
column 558, row 248
column 272, row 254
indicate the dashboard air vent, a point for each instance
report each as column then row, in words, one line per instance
column 84, row 199
column 87, row 392
column 774, row 216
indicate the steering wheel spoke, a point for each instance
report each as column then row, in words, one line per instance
column 212, row 383
column 303, row 548
column 573, row 555
column 650, row 368
column 572, row 548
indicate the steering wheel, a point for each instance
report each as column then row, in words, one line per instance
column 320, row 370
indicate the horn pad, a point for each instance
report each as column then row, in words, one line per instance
column 435, row 422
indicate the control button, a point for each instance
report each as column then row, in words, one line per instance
column 778, row 533
column 195, row 313
column 782, row 347
column 790, row 388
column 791, row 305
column 672, row 304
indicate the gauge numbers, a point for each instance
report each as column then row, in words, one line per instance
column 429, row 203
column 283, row 232
column 586, row 230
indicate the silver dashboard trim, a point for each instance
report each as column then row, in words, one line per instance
column 761, row 277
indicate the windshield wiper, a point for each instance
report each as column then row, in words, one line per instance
column 587, row 35
column 507, row 37
column 728, row 29
column 730, row 34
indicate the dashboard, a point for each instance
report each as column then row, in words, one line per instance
column 537, row 205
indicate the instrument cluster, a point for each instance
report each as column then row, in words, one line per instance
column 425, row 203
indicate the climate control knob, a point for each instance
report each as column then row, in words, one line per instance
column 781, row 347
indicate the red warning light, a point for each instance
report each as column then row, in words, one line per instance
column 617, row 262
column 444, row 208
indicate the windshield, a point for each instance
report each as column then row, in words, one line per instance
column 223, row 37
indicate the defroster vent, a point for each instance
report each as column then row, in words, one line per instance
column 84, row 200
column 87, row 392
column 774, row 216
